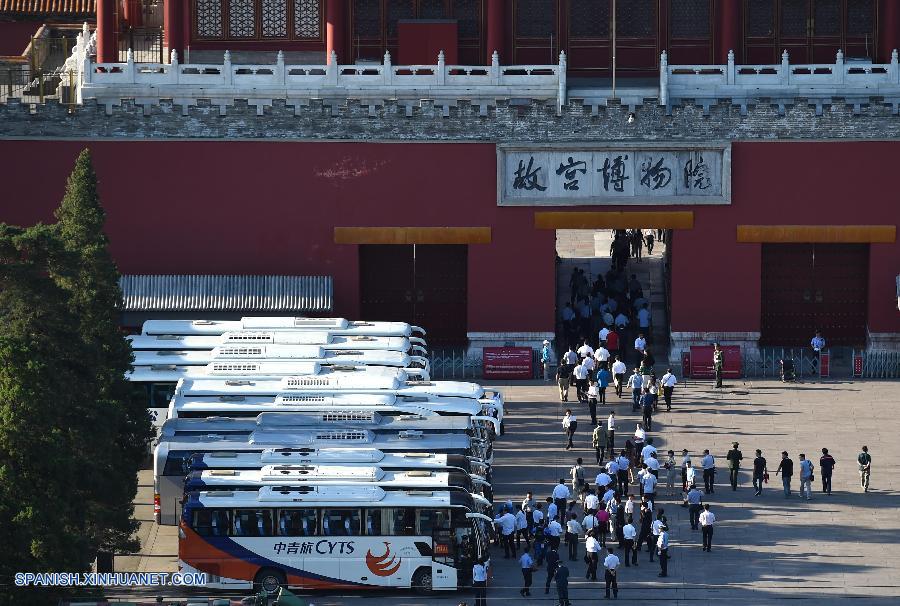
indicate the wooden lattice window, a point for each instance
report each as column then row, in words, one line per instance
column 689, row 18
column 761, row 18
column 793, row 18
column 861, row 17
column 242, row 18
column 827, row 18
column 209, row 18
column 589, row 18
column 535, row 18
column 274, row 18
column 397, row 10
column 432, row 9
column 308, row 19
column 468, row 16
column 636, row 19
column 367, row 18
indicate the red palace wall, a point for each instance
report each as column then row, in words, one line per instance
column 270, row 207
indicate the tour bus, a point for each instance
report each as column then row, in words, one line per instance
column 335, row 326
column 325, row 340
column 332, row 537
column 402, row 461
column 420, row 420
column 274, row 353
column 172, row 454
column 325, row 475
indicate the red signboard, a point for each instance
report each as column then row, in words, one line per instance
column 508, row 363
column 824, row 364
column 702, row 362
column 857, row 365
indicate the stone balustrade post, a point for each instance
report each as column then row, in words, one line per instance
column 894, row 69
column 664, row 79
column 227, row 70
column 730, row 71
column 561, row 95
column 495, row 68
column 332, row 70
column 839, row 67
column 387, row 77
column 86, row 67
column 129, row 65
column 173, row 68
column 279, row 68
column 785, row 69
column 441, row 72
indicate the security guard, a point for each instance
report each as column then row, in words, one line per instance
column 734, row 457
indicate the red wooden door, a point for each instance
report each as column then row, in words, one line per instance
column 386, row 282
column 787, row 279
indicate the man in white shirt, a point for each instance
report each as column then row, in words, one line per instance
column 640, row 344
column 526, row 563
column 592, row 548
column 709, row 472
column 609, row 495
column 624, row 464
column 552, row 509
column 649, row 483
column 553, row 532
column 662, row 546
column 707, row 521
column 581, row 374
column 506, row 523
column 656, row 531
column 818, row 344
column 561, row 495
column 479, row 582
column 643, row 315
column 570, row 357
column 634, row 384
column 630, row 533
column 611, row 564
column 537, row 516
column 647, row 450
column 585, row 351
column 668, row 385
column 601, row 354
column 621, row 320
column 653, row 464
column 618, row 370
column 603, row 479
column 522, row 529
column 602, row 335
column 573, row 531
column 611, row 432
column 591, row 502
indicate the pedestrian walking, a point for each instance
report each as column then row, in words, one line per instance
column 760, row 472
column 649, row 238
column 479, row 582
column 707, row 523
column 662, row 547
column 864, row 460
column 592, row 554
column 624, row 463
column 645, row 530
column 564, row 379
column 668, row 386
column 604, row 377
column 826, row 468
column 570, row 425
column 818, row 344
column 598, row 441
column 573, row 531
column 618, row 369
column 656, row 529
column 786, row 469
column 734, row 458
column 611, row 568
column 709, row 472
column 593, row 394
column 634, row 384
column 695, row 501
column 562, row 584
column 647, row 402
column 522, row 527
column 570, row 358
column 718, row 363
column 506, row 524
column 611, row 431
column 806, row 477
column 553, row 563
column 685, row 463
column 649, row 485
column 526, row 562
column 629, row 533
column 561, row 496
column 546, row 356
column 579, row 378
column 671, row 467
column 576, row 474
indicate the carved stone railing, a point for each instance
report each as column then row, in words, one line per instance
column 371, row 84
column 855, row 82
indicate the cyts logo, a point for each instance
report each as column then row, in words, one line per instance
column 383, row 565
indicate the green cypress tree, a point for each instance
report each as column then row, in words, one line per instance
column 115, row 424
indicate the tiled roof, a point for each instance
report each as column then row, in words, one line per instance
column 48, row 7
column 226, row 293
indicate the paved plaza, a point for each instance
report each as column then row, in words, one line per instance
column 766, row 549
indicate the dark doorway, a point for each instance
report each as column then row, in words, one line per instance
column 809, row 287
column 424, row 284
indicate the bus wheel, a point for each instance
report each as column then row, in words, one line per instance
column 421, row 581
column 269, row 580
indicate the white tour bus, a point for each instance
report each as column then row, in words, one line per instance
column 325, row 340
column 324, row 475
column 335, row 326
column 332, row 537
column 403, row 461
column 172, row 455
column 274, row 353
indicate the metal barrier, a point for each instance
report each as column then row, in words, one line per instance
column 453, row 363
column 146, row 44
column 876, row 364
column 767, row 364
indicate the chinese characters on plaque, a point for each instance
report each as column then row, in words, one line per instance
column 627, row 176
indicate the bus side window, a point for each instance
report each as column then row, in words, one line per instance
column 406, row 522
column 341, row 522
column 202, row 522
column 297, row 522
column 431, row 520
column 253, row 522
column 376, row 519
column 219, row 522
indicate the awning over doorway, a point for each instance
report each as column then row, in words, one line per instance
column 227, row 293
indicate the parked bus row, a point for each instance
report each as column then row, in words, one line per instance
column 316, row 453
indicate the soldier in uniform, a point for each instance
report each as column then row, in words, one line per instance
column 718, row 362
column 734, row 464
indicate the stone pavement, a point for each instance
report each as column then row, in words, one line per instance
column 766, row 549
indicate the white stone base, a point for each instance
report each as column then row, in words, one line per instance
column 534, row 340
column 682, row 341
column 883, row 341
